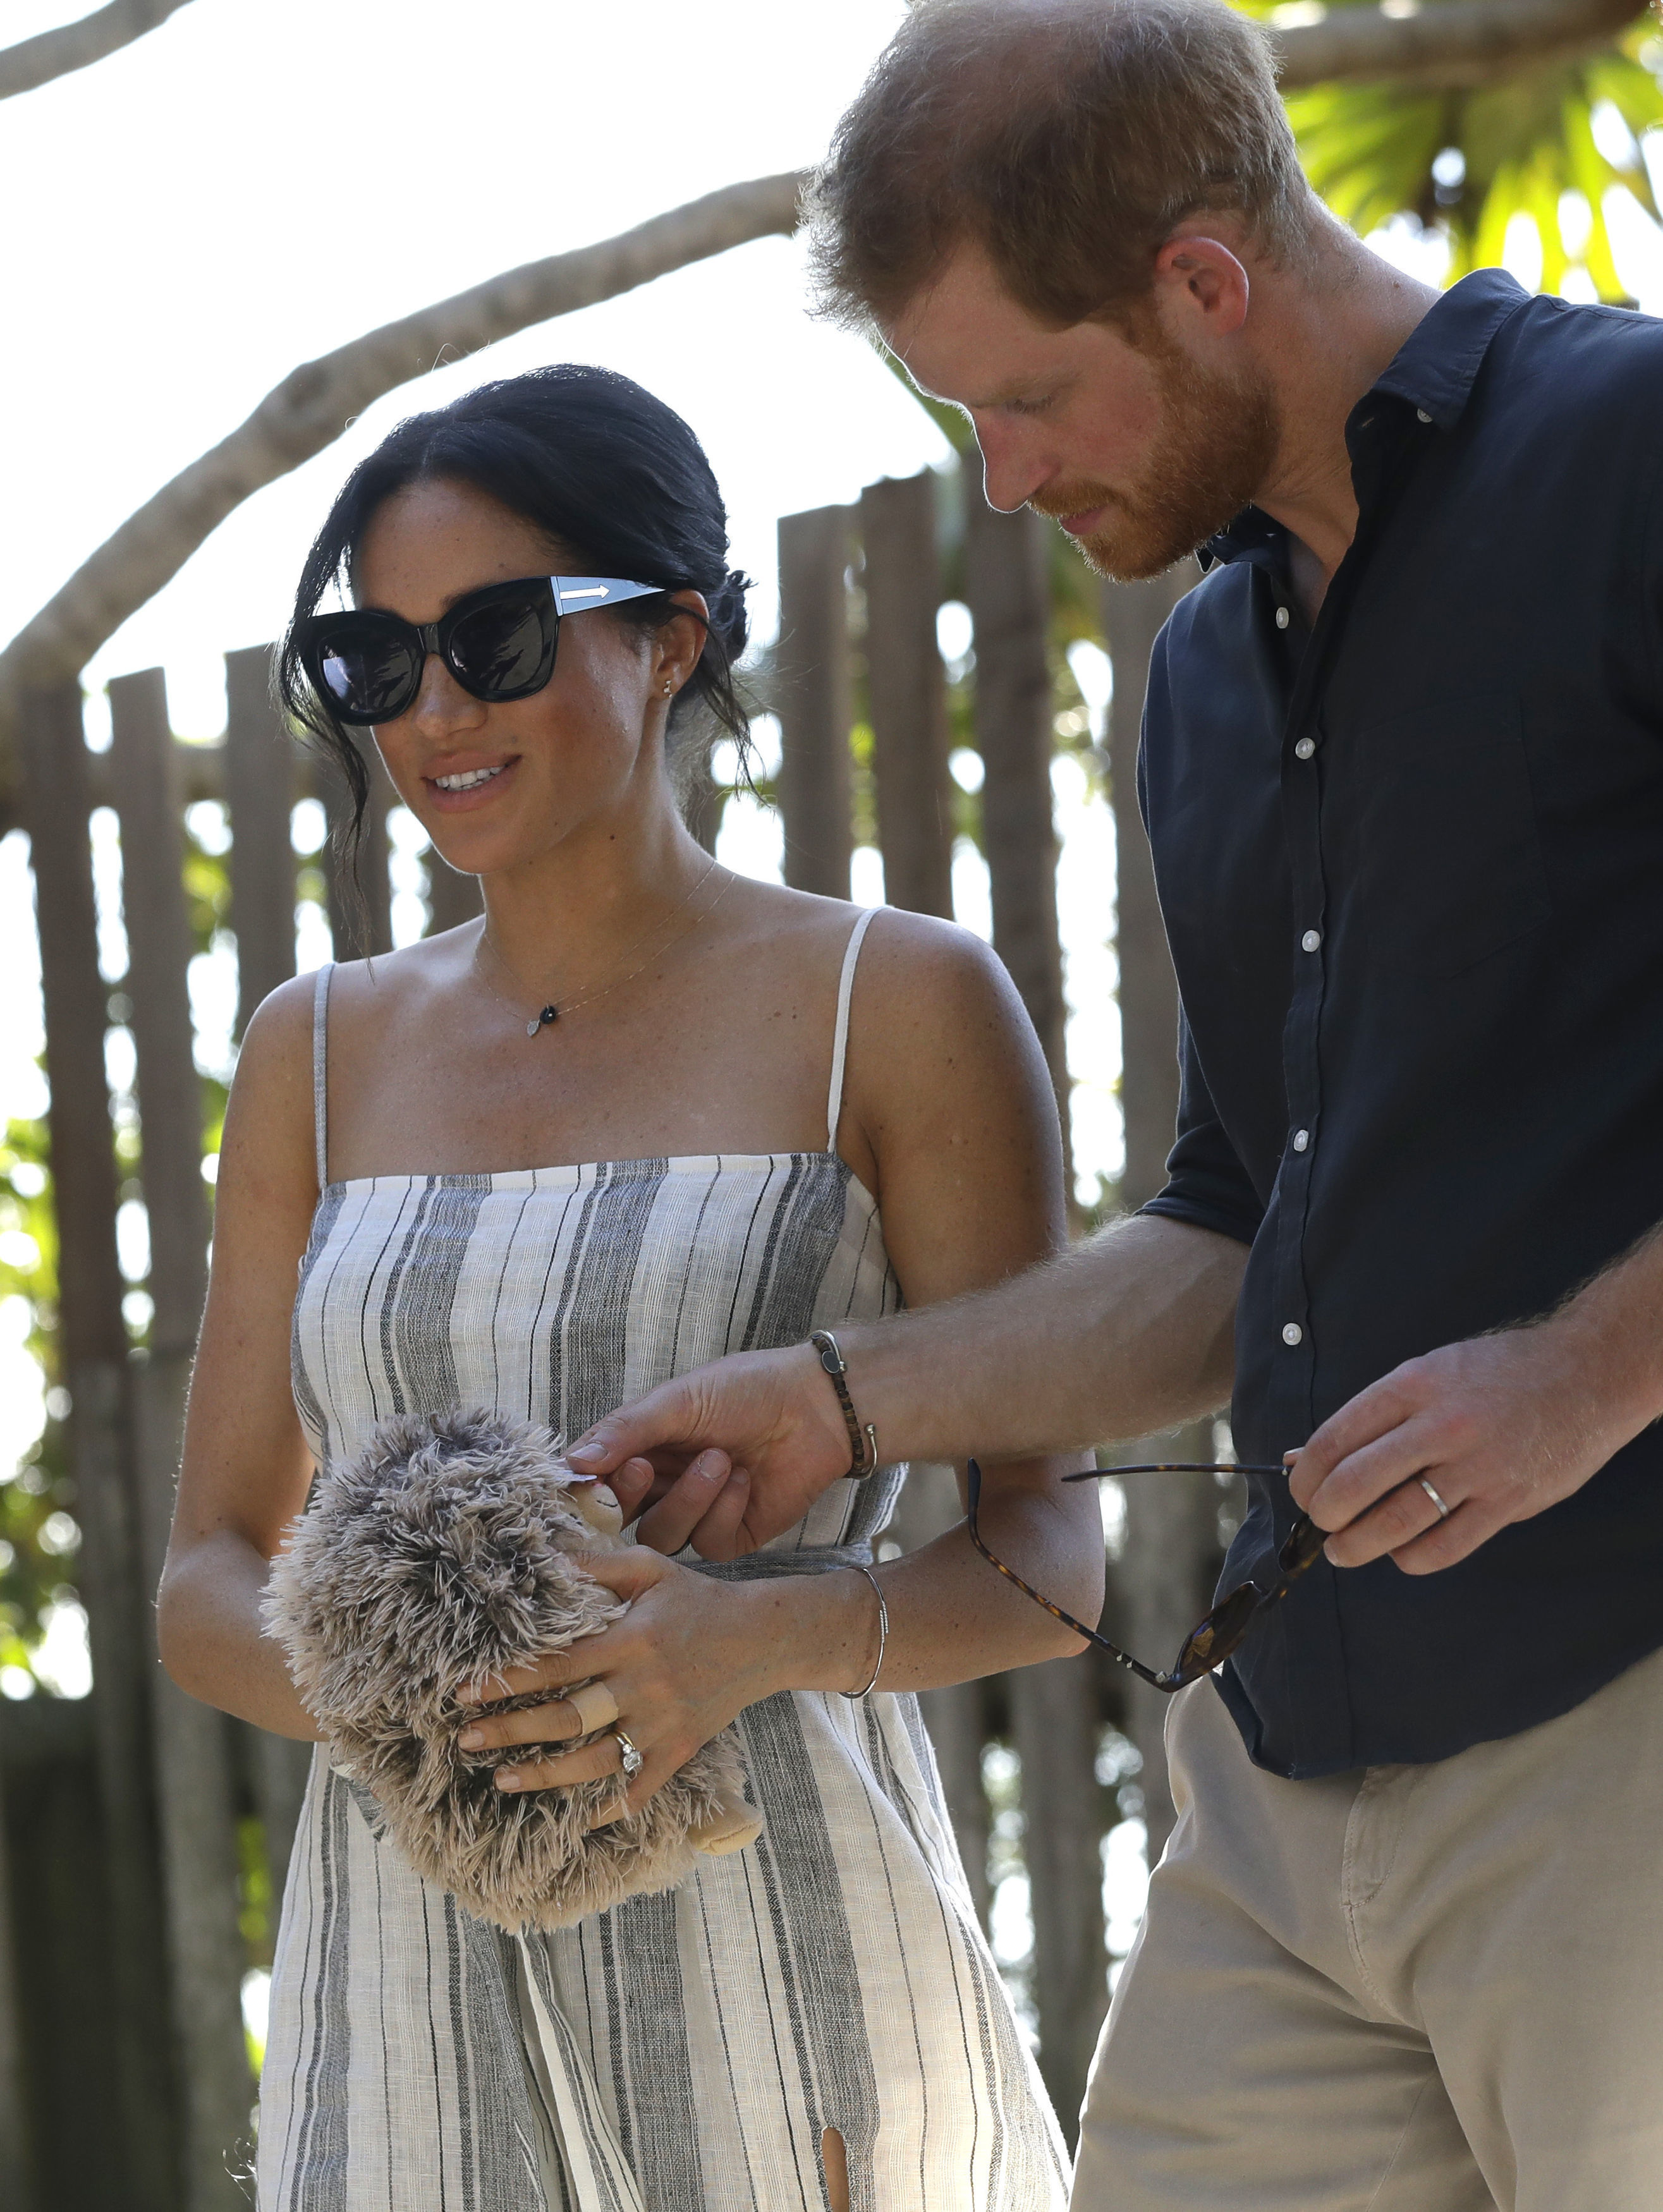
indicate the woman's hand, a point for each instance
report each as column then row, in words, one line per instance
column 689, row 1656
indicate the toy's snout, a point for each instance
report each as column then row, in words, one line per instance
column 598, row 1506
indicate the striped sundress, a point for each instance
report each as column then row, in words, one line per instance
column 683, row 2052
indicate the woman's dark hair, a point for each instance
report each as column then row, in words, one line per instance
column 593, row 460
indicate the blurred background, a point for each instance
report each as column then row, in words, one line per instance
column 206, row 195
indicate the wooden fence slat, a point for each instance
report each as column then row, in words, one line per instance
column 261, row 764
column 814, row 699
column 196, row 1799
column 1007, row 586
column 93, row 1337
column 16, row 2163
column 159, row 949
column 1054, row 1722
column 63, row 1950
column 1172, row 1520
column 907, row 688
column 1132, row 616
column 1053, row 1707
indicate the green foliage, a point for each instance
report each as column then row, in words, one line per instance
column 257, row 1908
column 207, row 889
column 1515, row 147
column 38, row 1538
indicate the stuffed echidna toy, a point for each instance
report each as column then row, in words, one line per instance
column 440, row 1556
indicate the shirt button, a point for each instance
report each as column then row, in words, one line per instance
column 1312, row 938
column 1292, row 1333
column 1421, row 415
column 1305, row 748
column 1301, row 1138
column 1282, row 618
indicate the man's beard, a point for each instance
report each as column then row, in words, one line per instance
column 1214, row 450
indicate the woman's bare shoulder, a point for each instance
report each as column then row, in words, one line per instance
column 923, row 974
column 278, row 1038
column 919, row 946
column 392, row 985
column 269, row 1120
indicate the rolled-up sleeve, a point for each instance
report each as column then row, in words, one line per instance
column 1206, row 1185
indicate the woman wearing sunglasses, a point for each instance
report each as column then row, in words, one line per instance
column 644, row 1113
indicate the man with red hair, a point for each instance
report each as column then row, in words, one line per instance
column 1402, row 769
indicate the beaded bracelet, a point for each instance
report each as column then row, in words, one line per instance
column 854, row 1696
column 862, row 1441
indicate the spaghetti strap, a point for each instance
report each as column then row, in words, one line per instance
column 840, row 1037
column 320, row 1071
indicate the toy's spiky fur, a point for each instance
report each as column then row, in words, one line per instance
column 440, row 1556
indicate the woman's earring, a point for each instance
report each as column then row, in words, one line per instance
column 668, row 688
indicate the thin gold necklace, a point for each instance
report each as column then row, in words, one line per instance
column 547, row 1017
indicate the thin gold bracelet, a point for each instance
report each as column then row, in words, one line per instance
column 854, row 1696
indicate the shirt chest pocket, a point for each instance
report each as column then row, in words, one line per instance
column 1440, row 864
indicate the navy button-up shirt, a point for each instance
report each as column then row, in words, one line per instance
column 1411, row 868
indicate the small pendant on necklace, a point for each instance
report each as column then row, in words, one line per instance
column 548, row 1014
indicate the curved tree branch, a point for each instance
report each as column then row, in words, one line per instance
column 37, row 61
column 1445, row 43
column 315, row 402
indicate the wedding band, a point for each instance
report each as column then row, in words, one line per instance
column 632, row 1760
column 1443, row 1511
column 594, row 1707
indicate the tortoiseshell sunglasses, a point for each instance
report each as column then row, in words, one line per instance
column 1226, row 1626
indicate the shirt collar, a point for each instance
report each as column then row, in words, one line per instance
column 1434, row 369
column 1438, row 364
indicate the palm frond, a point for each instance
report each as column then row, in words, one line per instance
column 1523, row 142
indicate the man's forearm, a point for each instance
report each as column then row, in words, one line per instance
column 1126, row 1335
column 1129, row 1335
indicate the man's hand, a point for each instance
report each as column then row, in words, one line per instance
column 1502, row 1426
column 725, row 1456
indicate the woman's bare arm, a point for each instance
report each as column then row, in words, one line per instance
column 952, row 1094
column 246, row 1467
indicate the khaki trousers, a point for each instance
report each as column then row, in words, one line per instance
column 1411, row 1989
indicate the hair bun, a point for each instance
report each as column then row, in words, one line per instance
column 730, row 622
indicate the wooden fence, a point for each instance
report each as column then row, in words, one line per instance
column 138, row 1830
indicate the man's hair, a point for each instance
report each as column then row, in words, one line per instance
column 1067, row 138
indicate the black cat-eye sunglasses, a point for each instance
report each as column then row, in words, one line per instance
column 498, row 643
column 1226, row 1626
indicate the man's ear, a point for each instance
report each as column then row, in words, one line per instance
column 1203, row 278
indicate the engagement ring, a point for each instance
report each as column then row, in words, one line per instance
column 632, row 1756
